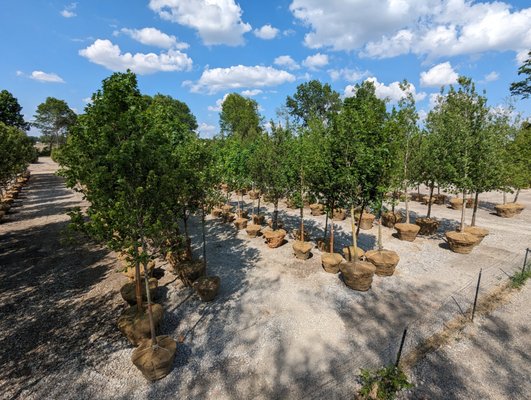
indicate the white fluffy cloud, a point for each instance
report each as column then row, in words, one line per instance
column 492, row 76
column 433, row 28
column 46, row 77
column 252, row 92
column 287, row 61
column 238, row 77
column 316, row 61
column 439, row 75
column 219, row 103
column 216, row 21
column 266, row 32
column 350, row 75
column 68, row 11
column 521, row 56
column 103, row 52
column 206, row 130
column 154, row 37
column 391, row 92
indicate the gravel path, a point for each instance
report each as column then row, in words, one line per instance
column 280, row 328
column 489, row 360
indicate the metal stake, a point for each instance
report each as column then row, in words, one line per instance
column 401, row 347
column 477, row 292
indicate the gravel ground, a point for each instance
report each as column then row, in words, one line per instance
column 488, row 360
column 280, row 328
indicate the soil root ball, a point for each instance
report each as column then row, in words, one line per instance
column 389, row 219
column 128, row 291
column 508, row 210
column 358, row 275
column 155, row 362
column 135, row 325
column 461, row 242
column 385, row 261
column 407, row 232
column 366, row 221
column 428, row 226
column 331, row 262
column 348, row 253
column 302, row 250
column 478, row 232
column 207, row 287
column 275, row 238
column 253, row 230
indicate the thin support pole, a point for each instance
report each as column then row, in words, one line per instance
column 477, row 292
column 401, row 347
column 525, row 259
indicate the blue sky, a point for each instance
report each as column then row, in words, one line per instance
column 199, row 50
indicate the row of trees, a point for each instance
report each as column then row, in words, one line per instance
column 16, row 148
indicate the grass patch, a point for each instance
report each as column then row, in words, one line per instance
column 383, row 384
column 519, row 279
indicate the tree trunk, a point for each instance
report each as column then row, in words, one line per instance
column 331, row 235
column 275, row 216
column 476, row 201
column 462, row 225
column 429, row 201
column 259, row 197
column 148, row 296
column 354, row 238
column 380, row 244
column 504, row 198
column 326, row 228
column 204, row 238
column 188, row 244
column 138, row 287
column 363, row 205
column 241, row 204
column 516, row 196
column 438, row 189
column 407, row 206
column 302, row 206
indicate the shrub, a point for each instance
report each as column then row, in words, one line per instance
column 383, row 383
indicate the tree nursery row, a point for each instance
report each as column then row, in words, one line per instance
column 139, row 162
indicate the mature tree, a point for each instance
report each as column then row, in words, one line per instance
column 313, row 100
column 405, row 120
column 367, row 161
column 54, row 118
column 460, row 118
column 523, row 87
column 516, row 159
column 11, row 111
column 239, row 117
column 16, row 152
column 274, row 150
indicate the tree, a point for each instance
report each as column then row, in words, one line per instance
column 523, row 87
column 460, row 119
column 122, row 164
column 313, row 100
column 11, row 111
column 54, row 118
column 16, row 152
column 366, row 157
column 239, row 117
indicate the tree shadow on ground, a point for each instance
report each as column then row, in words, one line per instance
column 43, row 317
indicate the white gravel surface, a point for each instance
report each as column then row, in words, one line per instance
column 280, row 327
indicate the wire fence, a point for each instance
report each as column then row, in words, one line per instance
column 457, row 309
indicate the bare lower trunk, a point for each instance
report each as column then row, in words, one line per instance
column 438, row 189
column 462, row 225
column 429, row 200
column 361, row 215
column 302, row 208
column 154, row 341
column 407, row 206
column 474, row 212
column 275, row 216
column 138, row 287
column 380, row 244
column 188, row 244
column 204, row 238
column 259, row 196
column 354, row 238
column 331, row 235
column 241, row 205
column 516, row 196
column 326, row 228
column 504, row 198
